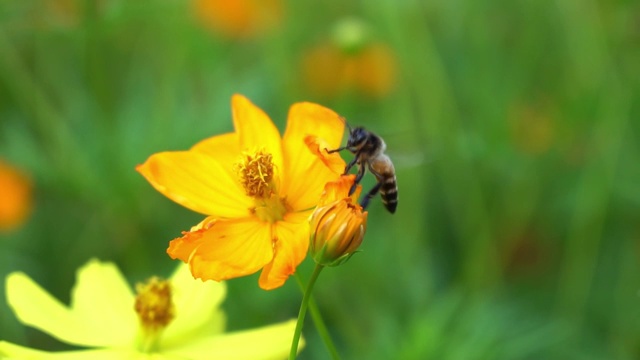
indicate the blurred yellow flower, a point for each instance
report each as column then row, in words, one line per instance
column 102, row 317
column 15, row 197
column 257, row 188
column 338, row 224
column 350, row 61
column 238, row 18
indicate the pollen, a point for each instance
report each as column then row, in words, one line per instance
column 256, row 173
column 153, row 304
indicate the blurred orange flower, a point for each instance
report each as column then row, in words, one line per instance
column 15, row 197
column 257, row 188
column 238, row 18
column 349, row 62
column 65, row 13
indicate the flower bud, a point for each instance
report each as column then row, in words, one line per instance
column 337, row 227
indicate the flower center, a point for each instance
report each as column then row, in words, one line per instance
column 256, row 174
column 155, row 311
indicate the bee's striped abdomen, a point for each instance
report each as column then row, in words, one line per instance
column 382, row 168
column 389, row 193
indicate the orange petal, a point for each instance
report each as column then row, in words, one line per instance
column 198, row 182
column 339, row 189
column 290, row 249
column 301, row 189
column 226, row 249
column 255, row 129
column 224, row 148
column 320, row 147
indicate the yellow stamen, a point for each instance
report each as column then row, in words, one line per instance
column 256, row 174
column 155, row 311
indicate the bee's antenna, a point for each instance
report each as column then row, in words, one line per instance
column 346, row 123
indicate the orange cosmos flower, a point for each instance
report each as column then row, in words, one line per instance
column 338, row 224
column 257, row 188
column 239, row 18
column 15, row 197
column 350, row 61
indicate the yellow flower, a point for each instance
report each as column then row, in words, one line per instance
column 15, row 197
column 338, row 224
column 257, row 188
column 175, row 319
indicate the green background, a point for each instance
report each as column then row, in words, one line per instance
column 513, row 126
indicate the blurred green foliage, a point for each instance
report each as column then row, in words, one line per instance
column 513, row 126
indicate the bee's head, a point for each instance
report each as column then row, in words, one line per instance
column 357, row 138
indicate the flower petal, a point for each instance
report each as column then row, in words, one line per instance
column 305, row 193
column 35, row 307
column 224, row 148
column 290, row 249
column 319, row 148
column 265, row 343
column 196, row 181
column 255, row 129
column 102, row 299
column 197, row 305
column 13, row 351
column 306, row 119
column 339, row 189
column 225, row 249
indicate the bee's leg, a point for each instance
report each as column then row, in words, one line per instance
column 335, row 150
column 357, row 180
column 365, row 202
column 350, row 165
column 356, row 157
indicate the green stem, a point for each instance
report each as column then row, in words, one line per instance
column 319, row 322
column 303, row 311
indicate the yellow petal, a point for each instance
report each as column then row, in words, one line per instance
column 196, row 181
column 265, row 343
column 35, row 307
column 224, row 148
column 12, row 351
column 197, row 305
column 307, row 119
column 290, row 249
column 225, row 249
column 103, row 299
column 255, row 129
column 304, row 193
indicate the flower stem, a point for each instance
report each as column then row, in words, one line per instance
column 303, row 311
column 319, row 322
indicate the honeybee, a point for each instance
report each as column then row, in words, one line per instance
column 368, row 149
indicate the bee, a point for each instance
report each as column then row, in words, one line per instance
column 368, row 149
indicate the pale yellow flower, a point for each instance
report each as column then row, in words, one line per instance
column 103, row 319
